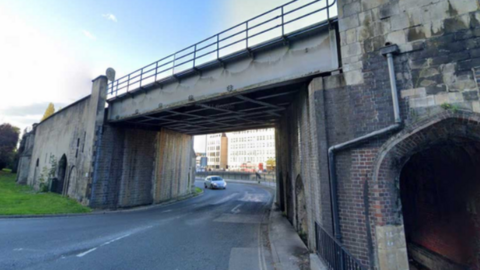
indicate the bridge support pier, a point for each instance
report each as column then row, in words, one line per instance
column 141, row 167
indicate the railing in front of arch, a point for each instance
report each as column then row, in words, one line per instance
column 273, row 24
column 333, row 253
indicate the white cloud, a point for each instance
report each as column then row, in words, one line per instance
column 110, row 16
column 89, row 35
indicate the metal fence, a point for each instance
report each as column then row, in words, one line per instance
column 333, row 253
column 273, row 25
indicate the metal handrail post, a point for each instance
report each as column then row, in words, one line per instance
column 194, row 55
column 246, row 32
column 218, row 46
column 283, row 25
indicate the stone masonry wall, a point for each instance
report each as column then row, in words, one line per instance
column 435, row 68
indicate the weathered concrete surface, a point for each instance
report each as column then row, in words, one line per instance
column 140, row 167
column 71, row 133
column 301, row 58
column 173, row 167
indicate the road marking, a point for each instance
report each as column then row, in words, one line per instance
column 113, row 240
column 231, row 196
column 261, row 255
column 86, row 252
column 235, row 210
column 17, row 249
column 166, row 211
column 106, row 243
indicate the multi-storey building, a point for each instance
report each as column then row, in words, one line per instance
column 217, row 147
column 250, row 148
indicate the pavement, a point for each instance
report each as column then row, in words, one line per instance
column 222, row 229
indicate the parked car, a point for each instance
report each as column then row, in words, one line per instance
column 215, row 182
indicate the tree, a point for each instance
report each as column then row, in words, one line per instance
column 8, row 141
column 49, row 111
column 271, row 163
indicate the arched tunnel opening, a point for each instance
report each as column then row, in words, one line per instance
column 440, row 195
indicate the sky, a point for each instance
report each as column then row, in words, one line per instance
column 51, row 50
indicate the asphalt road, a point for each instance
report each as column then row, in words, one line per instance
column 221, row 229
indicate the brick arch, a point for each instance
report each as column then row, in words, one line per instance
column 395, row 153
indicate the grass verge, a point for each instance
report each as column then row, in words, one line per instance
column 24, row 200
column 198, row 190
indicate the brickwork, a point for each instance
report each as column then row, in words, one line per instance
column 437, row 42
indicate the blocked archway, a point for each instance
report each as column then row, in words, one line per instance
column 62, row 170
column 429, row 178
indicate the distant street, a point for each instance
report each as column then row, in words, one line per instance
column 222, row 229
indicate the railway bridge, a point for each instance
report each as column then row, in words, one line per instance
column 376, row 110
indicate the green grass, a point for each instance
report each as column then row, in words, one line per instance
column 198, row 190
column 24, row 200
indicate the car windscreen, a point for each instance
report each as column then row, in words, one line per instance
column 217, row 179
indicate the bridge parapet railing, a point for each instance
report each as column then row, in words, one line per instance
column 275, row 24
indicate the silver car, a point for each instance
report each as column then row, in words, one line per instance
column 214, row 182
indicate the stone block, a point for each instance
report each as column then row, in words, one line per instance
column 348, row 23
column 471, row 95
column 415, row 16
column 388, row 10
column 333, row 82
column 456, row 24
column 370, row 4
column 351, row 8
column 399, row 22
column 351, row 49
column 455, row 97
column 476, row 106
column 435, row 11
column 441, row 98
column 416, row 33
column 460, row 7
column 434, row 28
column 407, row 4
column 427, row 101
column 353, row 66
column 353, row 77
column 413, row 93
column 397, row 37
column 412, row 46
column 351, row 36
column 392, row 250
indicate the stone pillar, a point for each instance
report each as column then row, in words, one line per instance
column 97, row 103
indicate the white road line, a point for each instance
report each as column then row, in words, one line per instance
column 235, row 210
column 166, row 211
column 86, row 252
column 113, row 240
column 104, row 244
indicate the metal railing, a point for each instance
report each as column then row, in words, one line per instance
column 333, row 253
column 275, row 23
